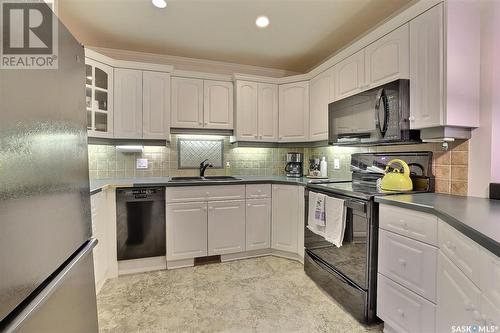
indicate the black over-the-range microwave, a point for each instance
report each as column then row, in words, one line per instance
column 373, row 117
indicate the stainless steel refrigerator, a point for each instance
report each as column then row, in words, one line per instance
column 46, row 264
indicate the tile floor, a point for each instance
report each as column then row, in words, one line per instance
column 265, row 294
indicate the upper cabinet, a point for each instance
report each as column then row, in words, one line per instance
column 128, row 104
column 294, row 112
column 198, row 103
column 319, row 97
column 99, row 98
column 268, row 112
column 155, row 105
column 187, row 103
column 444, row 67
column 256, row 111
column 142, row 104
column 218, row 104
column 247, row 120
column 350, row 75
column 387, row 59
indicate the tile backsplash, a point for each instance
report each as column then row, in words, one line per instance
column 449, row 167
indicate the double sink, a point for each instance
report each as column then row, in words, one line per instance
column 203, row 179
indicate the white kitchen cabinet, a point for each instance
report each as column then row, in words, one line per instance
column 267, row 105
column 388, row 59
column 186, row 230
column 489, row 283
column 294, row 112
column 247, row 119
column 426, row 69
column 256, row 111
column 128, row 103
column 461, row 250
column 319, row 97
column 350, row 75
column 226, row 227
column 156, row 105
column 458, row 299
column 187, row 103
column 218, row 104
column 402, row 310
column 285, row 218
column 99, row 211
column 443, row 55
column 258, row 224
column 99, row 98
column 408, row 262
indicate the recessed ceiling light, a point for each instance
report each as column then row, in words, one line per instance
column 262, row 21
column 160, row 3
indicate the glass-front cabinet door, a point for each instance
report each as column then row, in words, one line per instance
column 99, row 98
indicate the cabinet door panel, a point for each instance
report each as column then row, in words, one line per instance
column 319, row 98
column 99, row 99
column 294, row 112
column 268, row 112
column 226, row 227
column 246, row 111
column 156, row 105
column 128, row 104
column 186, row 230
column 99, row 227
column 350, row 75
column 426, row 69
column 258, row 224
column 457, row 297
column 285, row 217
column 387, row 59
column 408, row 262
column 403, row 310
column 187, row 103
column 218, row 104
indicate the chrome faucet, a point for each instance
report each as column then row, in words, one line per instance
column 204, row 166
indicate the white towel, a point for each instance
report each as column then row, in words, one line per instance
column 335, row 212
column 316, row 215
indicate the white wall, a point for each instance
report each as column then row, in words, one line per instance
column 484, row 156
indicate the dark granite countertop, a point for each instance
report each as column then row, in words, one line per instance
column 477, row 218
column 99, row 184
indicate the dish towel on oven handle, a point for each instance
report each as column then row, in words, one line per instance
column 335, row 213
column 316, row 215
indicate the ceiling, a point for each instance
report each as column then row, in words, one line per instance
column 301, row 34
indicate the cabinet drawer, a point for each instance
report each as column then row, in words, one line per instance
column 461, row 250
column 408, row 262
column 409, row 223
column 490, row 277
column 258, row 191
column 402, row 309
column 205, row 193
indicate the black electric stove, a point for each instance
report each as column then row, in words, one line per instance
column 349, row 273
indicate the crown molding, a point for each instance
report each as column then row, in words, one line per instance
column 146, row 66
column 263, row 79
column 202, row 75
column 192, row 64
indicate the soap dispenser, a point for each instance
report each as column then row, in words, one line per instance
column 323, row 167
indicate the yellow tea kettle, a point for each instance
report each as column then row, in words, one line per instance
column 395, row 180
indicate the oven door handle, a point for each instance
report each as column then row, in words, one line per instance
column 356, row 205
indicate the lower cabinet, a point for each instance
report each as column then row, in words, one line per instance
column 403, row 310
column 226, row 227
column 98, row 206
column 186, row 230
column 286, row 215
column 458, row 298
column 258, row 224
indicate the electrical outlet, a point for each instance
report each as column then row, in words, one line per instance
column 336, row 163
column 141, row 163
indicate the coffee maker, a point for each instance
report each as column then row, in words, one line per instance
column 294, row 162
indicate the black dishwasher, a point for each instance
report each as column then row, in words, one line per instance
column 140, row 222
